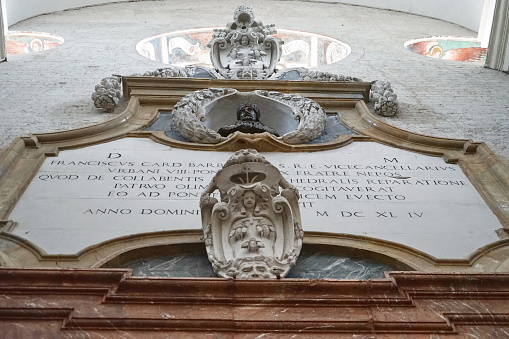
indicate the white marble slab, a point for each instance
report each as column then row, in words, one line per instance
column 129, row 186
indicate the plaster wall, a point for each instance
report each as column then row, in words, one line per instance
column 18, row 10
column 466, row 13
column 50, row 91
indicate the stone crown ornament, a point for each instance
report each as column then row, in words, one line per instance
column 245, row 49
column 255, row 231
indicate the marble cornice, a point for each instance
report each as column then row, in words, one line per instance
column 106, row 301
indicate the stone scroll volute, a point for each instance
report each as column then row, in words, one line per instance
column 255, row 230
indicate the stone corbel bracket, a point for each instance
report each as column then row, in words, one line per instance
column 192, row 110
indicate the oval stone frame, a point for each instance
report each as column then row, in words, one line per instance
column 201, row 113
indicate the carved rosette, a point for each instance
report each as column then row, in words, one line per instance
column 255, row 230
column 191, row 111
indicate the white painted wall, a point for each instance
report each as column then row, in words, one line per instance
column 18, row 10
column 466, row 13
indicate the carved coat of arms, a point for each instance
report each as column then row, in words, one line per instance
column 245, row 48
column 255, row 230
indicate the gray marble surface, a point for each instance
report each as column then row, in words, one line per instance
column 319, row 265
column 333, row 129
column 310, row 265
column 184, row 265
column 163, row 123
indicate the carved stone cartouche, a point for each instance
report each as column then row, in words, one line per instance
column 255, row 230
column 245, row 49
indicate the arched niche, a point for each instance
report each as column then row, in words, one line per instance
column 223, row 111
column 315, row 262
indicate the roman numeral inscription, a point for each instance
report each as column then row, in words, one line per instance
column 132, row 186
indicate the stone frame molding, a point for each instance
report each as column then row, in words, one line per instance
column 151, row 96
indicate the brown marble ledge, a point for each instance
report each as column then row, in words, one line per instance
column 109, row 303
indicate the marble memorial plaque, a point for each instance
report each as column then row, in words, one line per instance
column 86, row 196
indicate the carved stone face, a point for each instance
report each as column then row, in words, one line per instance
column 248, row 113
column 244, row 41
column 254, row 270
column 249, row 199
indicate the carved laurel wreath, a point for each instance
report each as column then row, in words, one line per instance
column 189, row 113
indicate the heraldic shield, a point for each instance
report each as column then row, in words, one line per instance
column 255, row 230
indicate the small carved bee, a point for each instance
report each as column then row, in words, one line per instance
column 253, row 245
column 238, row 233
column 265, row 230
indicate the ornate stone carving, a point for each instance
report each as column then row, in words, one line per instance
column 194, row 109
column 107, row 93
column 381, row 92
column 309, row 113
column 255, row 230
column 189, row 112
column 305, row 74
column 384, row 98
column 248, row 121
column 245, row 49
